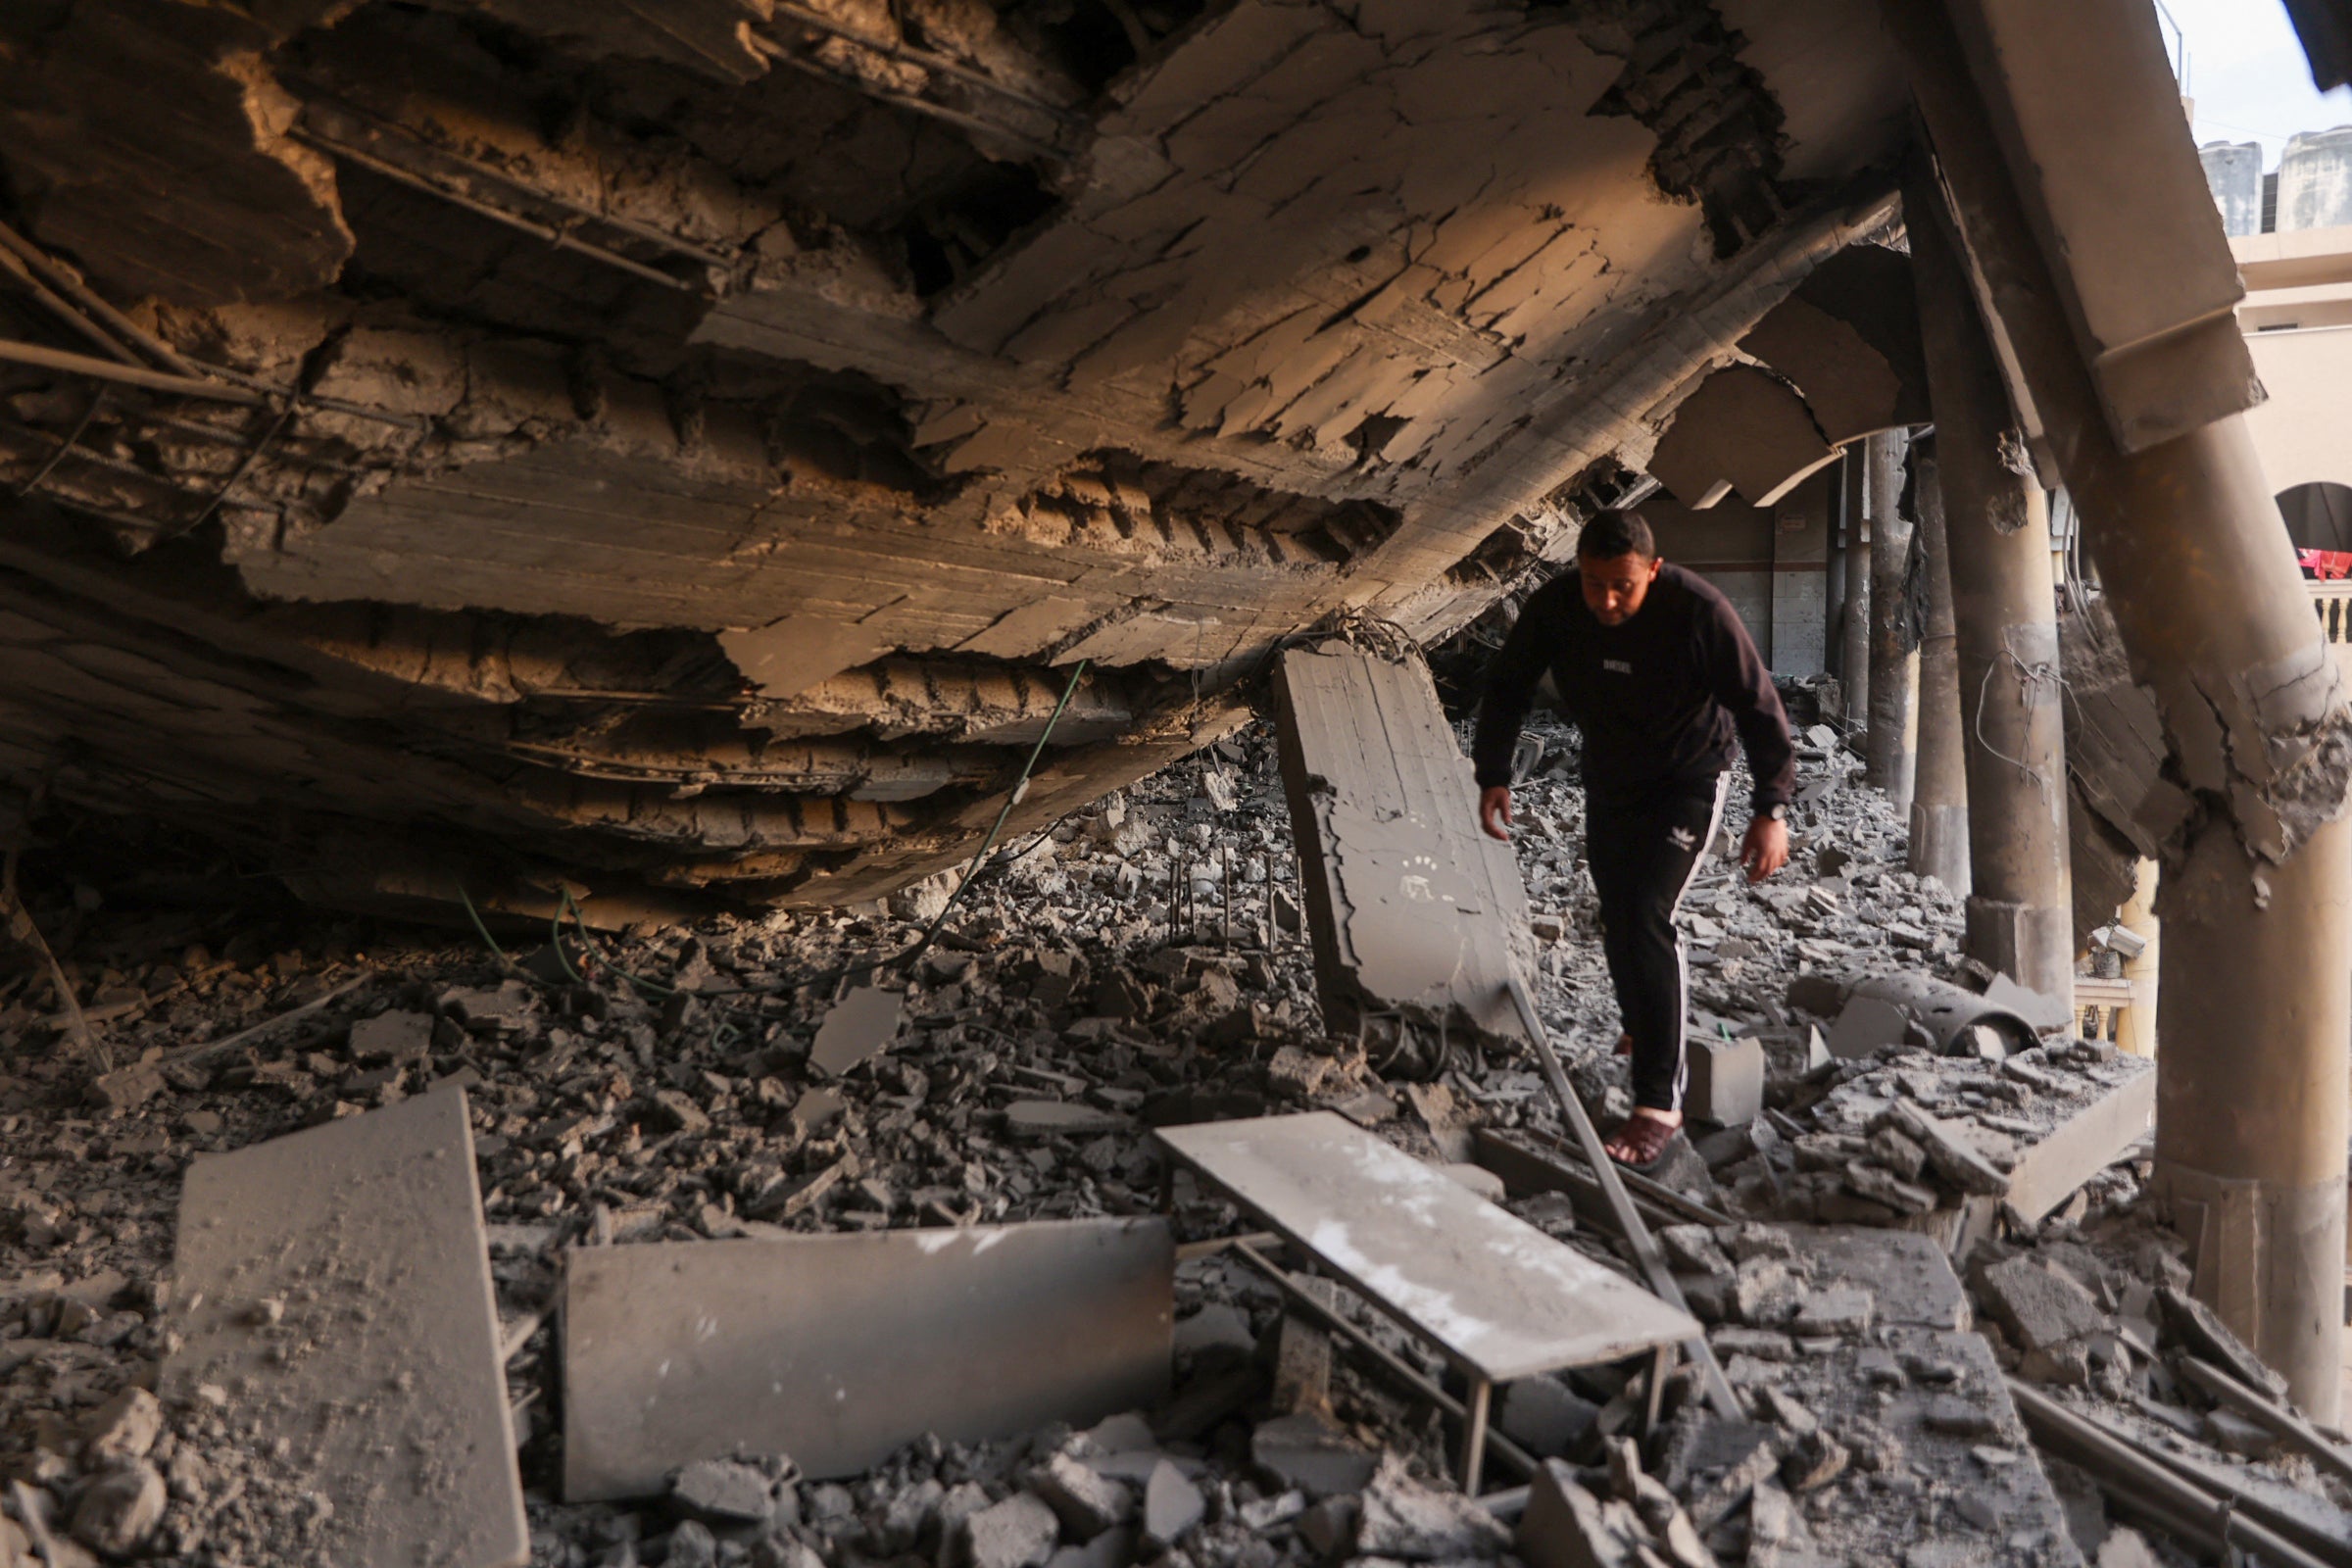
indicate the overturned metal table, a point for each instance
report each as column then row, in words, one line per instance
column 1499, row 1298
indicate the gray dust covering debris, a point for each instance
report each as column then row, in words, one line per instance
column 1855, row 1251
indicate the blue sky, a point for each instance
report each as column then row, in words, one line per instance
column 2247, row 74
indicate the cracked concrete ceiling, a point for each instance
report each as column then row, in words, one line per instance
column 679, row 454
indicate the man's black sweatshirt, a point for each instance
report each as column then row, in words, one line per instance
column 1659, row 698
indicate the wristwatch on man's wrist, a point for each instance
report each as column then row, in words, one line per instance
column 1777, row 814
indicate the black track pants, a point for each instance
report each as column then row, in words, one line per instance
column 1643, row 853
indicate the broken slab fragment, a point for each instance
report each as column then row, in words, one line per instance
column 1017, row 1533
column 1172, row 1506
column 1310, row 1453
column 1727, row 1081
column 1063, row 1118
column 859, row 1025
column 837, row 1350
column 2053, row 1168
column 338, row 1288
column 1952, row 1157
column 1564, row 1526
column 2039, row 1306
column 1412, row 911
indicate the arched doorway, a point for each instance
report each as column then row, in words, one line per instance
column 2318, row 515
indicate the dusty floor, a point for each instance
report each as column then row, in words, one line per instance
column 1141, row 959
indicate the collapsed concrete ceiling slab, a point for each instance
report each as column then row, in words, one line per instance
column 511, row 447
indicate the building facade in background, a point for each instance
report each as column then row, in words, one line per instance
column 2291, row 232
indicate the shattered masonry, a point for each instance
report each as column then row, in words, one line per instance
column 934, row 349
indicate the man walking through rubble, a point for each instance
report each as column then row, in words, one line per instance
column 1658, row 674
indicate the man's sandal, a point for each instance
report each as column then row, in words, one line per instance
column 1646, row 1137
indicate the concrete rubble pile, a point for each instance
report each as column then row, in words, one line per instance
column 1139, row 966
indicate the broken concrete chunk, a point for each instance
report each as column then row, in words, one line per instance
column 1884, row 1187
column 1766, row 1292
column 1846, row 1312
column 1112, row 1549
column 1719, row 1462
column 1086, row 1503
column 1544, row 1416
column 1219, row 1325
column 1566, row 1527
column 1298, row 1073
column 1060, row 1119
column 1866, row 1025
column 392, row 1037
column 674, row 1110
column 1764, row 1345
column 123, row 1428
column 1813, row 1461
column 1172, row 1506
column 1124, row 1432
column 1897, row 1153
column 1952, row 1157
column 1726, row 1082
column 1329, row 1527
column 2197, row 1329
column 1693, row 1248
column 722, row 1492
column 1406, row 1519
column 2050, row 1172
column 2039, row 1306
column 1017, row 1533
column 860, row 1026
column 119, row 1510
column 1309, row 1450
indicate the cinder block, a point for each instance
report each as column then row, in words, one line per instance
column 1727, row 1081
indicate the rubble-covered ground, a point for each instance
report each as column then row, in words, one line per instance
column 1139, row 964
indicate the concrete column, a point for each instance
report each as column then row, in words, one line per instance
column 1832, row 626
column 2005, row 646
column 1893, row 747
column 1939, row 792
column 1855, row 630
column 2256, row 895
column 2139, row 916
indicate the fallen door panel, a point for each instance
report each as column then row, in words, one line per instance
column 338, row 1294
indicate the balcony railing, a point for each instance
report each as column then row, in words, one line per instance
column 2333, row 602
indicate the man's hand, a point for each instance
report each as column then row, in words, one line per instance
column 1765, row 850
column 1494, row 812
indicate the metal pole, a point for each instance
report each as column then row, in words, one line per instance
column 2012, row 726
column 1940, row 796
column 1474, row 1434
column 1646, row 1254
column 2257, row 889
column 1893, row 739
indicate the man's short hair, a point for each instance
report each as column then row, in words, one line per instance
column 1613, row 534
